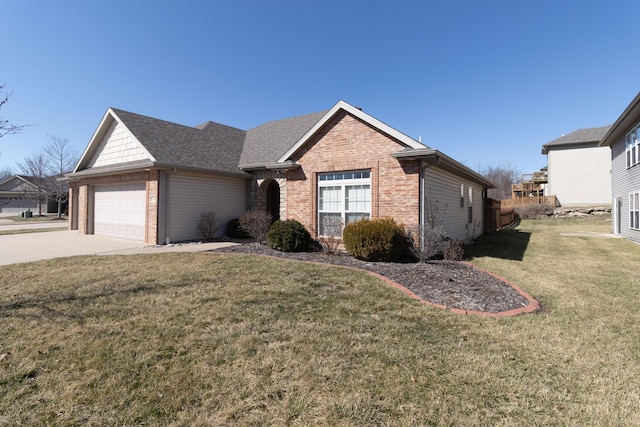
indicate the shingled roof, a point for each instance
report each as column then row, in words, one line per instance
column 581, row 136
column 209, row 146
column 266, row 143
column 216, row 147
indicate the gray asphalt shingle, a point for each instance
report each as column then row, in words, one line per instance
column 581, row 136
column 216, row 146
column 210, row 146
column 266, row 143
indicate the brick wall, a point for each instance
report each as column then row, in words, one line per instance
column 346, row 143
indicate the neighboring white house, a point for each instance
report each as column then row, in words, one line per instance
column 579, row 170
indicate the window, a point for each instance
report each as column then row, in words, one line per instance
column 632, row 144
column 343, row 197
column 462, row 195
column 634, row 211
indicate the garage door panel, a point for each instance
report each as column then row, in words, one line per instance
column 119, row 211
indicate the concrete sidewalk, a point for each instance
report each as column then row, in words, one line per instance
column 27, row 247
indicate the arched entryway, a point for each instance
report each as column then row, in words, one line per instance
column 273, row 199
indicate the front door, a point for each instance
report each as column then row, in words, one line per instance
column 273, row 200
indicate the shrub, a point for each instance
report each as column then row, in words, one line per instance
column 234, row 230
column 288, row 236
column 427, row 242
column 453, row 250
column 256, row 224
column 208, row 225
column 374, row 240
column 535, row 210
column 332, row 234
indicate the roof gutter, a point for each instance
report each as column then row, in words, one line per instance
column 279, row 166
column 146, row 166
column 445, row 162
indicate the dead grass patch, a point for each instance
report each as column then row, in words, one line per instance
column 209, row 339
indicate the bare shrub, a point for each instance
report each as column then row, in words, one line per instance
column 453, row 250
column 208, row 225
column 426, row 242
column 535, row 210
column 256, row 223
column 332, row 234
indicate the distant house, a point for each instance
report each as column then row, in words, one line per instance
column 579, row 169
column 20, row 193
column 147, row 179
column 623, row 142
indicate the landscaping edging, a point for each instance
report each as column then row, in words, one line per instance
column 484, row 288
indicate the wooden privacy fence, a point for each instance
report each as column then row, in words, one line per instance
column 497, row 215
column 524, row 201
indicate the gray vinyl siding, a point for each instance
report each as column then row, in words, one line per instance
column 441, row 199
column 624, row 182
column 190, row 195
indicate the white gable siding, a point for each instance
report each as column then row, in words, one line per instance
column 625, row 181
column 442, row 192
column 580, row 176
column 191, row 195
column 118, row 146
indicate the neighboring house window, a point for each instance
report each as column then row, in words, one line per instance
column 632, row 140
column 462, row 195
column 634, row 211
column 343, row 197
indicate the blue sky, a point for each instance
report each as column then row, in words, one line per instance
column 486, row 82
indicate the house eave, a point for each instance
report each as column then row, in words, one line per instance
column 434, row 157
column 575, row 144
column 628, row 118
column 278, row 166
column 109, row 170
column 356, row 112
column 145, row 166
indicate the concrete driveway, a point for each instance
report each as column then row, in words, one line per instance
column 27, row 247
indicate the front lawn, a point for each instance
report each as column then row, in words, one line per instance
column 212, row 339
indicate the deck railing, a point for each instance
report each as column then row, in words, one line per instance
column 524, row 201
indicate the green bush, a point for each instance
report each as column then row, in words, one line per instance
column 375, row 240
column 288, row 236
column 234, row 230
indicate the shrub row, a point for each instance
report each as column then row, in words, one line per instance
column 380, row 239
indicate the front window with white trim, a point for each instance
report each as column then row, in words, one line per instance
column 634, row 211
column 343, row 197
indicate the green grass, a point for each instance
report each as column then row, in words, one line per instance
column 206, row 339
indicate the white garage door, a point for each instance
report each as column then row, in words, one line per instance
column 119, row 211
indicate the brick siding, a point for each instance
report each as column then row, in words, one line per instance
column 346, row 143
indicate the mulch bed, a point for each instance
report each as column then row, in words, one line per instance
column 451, row 284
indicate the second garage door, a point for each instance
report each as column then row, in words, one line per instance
column 119, row 211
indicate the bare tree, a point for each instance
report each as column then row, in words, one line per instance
column 7, row 128
column 61, row 157
column 502, row 176
column 5, row 173
column 35, row 169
